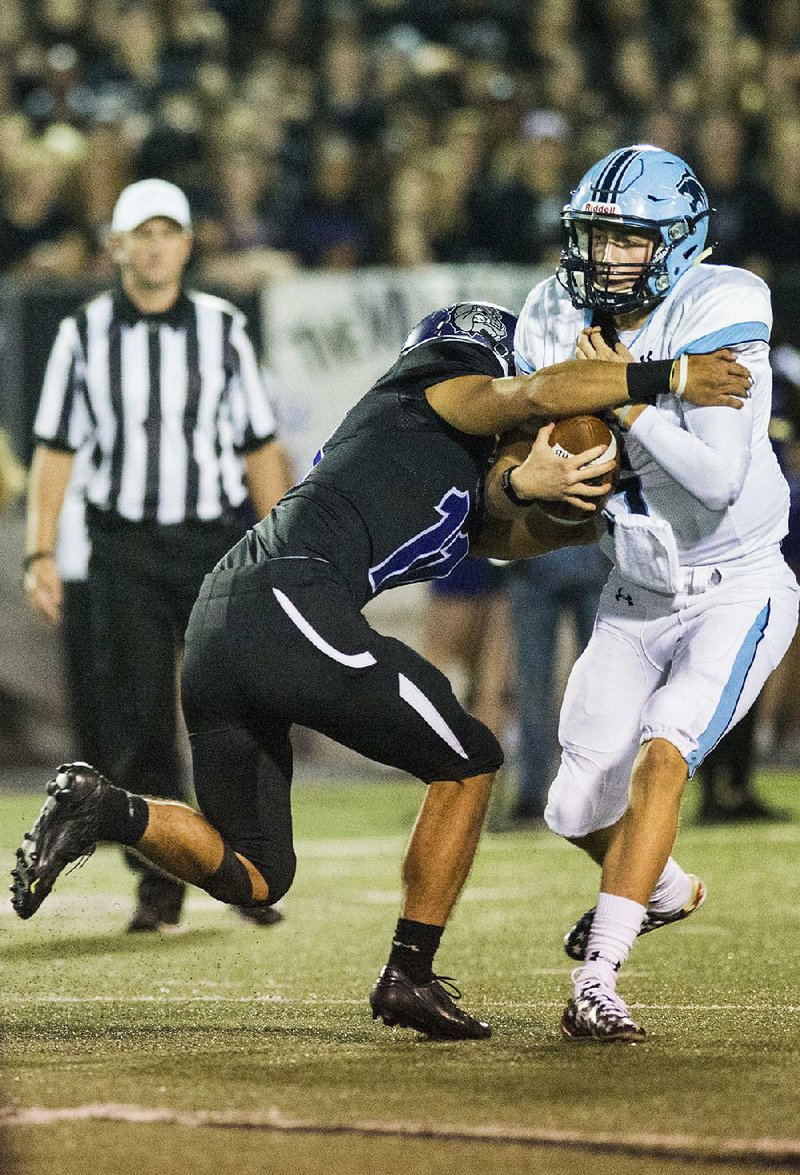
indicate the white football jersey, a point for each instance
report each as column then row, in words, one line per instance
column 710, row 472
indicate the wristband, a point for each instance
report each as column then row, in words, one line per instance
column 647, row 381
column 34, row 557
column 622, row 415
column 510, row 492
column 678, row 376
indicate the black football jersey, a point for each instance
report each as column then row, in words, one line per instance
column 393, row 492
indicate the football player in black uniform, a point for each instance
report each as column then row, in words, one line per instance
column 277, row 637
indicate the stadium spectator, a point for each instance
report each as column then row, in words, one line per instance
column 167, row 88
column 742, row 205
column 39, row 233
column 164, row 385
column 518, row 215
column 331, row 229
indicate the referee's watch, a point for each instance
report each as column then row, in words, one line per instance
column 508, row 489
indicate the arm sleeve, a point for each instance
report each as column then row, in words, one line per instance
column 710, row 455
column 62, row 420
column 251, row 412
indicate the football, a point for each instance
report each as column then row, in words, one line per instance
column 574, row 435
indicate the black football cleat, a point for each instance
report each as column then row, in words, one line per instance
column 65, row 831
column 425, row 1007
column 259, row 915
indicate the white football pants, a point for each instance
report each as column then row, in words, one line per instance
column 683, row 668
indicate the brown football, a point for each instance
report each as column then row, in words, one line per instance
column 574, row 435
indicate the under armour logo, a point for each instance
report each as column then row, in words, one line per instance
column 621, row 595
column 595, row 955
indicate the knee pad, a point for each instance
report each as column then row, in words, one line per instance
column 586, row 795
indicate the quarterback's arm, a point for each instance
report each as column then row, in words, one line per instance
column 536, row 471
column 710, row 456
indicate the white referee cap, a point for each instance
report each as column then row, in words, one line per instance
column 147, row 198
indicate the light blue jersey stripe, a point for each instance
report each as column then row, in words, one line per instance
column 731, row 693
column 522, row 365
column 727, row 336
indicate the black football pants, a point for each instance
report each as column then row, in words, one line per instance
column 284, row 642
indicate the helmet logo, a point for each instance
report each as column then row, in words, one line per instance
column 473, row 318
column 601, row 209
column 689, row 186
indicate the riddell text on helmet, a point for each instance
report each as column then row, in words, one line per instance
column 603, row 209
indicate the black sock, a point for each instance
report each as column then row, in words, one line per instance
column 123, row 817
column 413, row 948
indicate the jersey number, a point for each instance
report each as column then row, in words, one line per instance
column 431, row 554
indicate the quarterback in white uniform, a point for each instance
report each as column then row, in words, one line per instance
column 700, row 606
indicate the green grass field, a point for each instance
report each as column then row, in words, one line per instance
column 232, row 1031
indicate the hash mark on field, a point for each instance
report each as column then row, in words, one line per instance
column 773, row 1152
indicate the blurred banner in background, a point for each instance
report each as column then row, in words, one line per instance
column 328, row 336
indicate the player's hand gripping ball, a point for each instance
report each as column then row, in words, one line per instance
column 575, row 435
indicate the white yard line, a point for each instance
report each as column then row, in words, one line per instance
column 166, row 997
column 757, row 1151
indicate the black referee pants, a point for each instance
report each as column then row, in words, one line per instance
column 143, row 579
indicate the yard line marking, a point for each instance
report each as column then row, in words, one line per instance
column 323, row 1001
column 774, row 1152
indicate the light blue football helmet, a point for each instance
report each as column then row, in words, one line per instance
column 469, row 322
column 647, row 190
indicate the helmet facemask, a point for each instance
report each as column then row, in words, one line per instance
column 619, row 288
column 614, row 287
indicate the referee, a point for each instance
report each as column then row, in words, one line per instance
column 162, row 384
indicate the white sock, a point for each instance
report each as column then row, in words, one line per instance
column 673, row 890
column 616, row 923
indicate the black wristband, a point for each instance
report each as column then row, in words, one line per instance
column 34, row 557
column 647, row 381
column 510, row 492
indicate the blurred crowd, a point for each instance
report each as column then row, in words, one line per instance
column 338, row 133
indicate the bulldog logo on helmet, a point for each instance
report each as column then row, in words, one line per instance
column 474, row 317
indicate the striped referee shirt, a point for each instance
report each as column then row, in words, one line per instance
column 170, row 402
